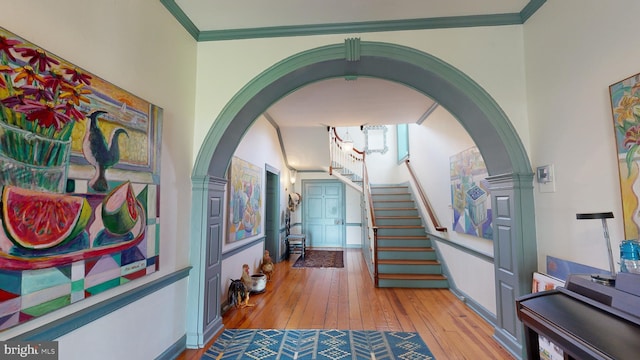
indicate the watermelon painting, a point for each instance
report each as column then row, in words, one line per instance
column 119, row 210
column 95, row 225
column 45, row 230
column 35, row 220
column 93, row 242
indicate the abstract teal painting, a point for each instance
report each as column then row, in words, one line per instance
column 470, row 195
column 245, row 200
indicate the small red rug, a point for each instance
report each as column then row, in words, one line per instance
column 321, row 259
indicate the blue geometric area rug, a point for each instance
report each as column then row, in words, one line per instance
column 317, row 344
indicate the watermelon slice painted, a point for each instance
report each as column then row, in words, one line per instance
column 39, row 220
column 119, row 211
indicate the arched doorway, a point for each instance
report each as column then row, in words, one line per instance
column 510, row 174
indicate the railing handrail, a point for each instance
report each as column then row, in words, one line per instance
column 425, row 200
column 351, row 162
column 366, row 186
column 335, row 133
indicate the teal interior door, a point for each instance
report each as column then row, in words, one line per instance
column 323, row 213
column 272, row 215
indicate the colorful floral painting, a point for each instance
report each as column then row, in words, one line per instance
column 625, row 103
column 79, row 183
column 470, row 195
column 245, row 200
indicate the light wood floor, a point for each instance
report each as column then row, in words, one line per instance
column 345, row 298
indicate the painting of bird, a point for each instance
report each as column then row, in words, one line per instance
column 99, row 151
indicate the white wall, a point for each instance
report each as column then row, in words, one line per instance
column 384, row 168
column 125, row 43
column 259, row 146
column 574, row 51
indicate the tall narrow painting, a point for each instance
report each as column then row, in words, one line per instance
column 625, row 104
column 80, row 183
column 470, row 195
column 245, row 200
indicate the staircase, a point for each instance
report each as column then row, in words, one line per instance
column 346, row 164
column 404, row 256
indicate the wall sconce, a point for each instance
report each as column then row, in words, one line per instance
column 292, row 176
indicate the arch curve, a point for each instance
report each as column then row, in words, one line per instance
column 474, row 108
column 505, row 158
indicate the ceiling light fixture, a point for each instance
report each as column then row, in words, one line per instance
column 347, row 143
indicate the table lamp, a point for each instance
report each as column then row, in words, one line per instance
column 602, row 278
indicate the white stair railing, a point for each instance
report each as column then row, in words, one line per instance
column 345, row 164
column 350, row 167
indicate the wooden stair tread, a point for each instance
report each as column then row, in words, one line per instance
column 390, row 194
column 389, row 187
column 398, row 200
column 412, row 277
column 399, row 226
column 407, row 262
column 393, row 209
column 404, row 237
column 407, row 248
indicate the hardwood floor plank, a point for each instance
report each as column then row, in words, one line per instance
column 345, row 298
column 334, row 302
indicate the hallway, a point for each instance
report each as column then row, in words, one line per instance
column 345, row 298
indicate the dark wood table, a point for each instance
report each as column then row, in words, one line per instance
column 581, row 327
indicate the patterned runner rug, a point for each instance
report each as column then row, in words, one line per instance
column 321, row 258
column 317, row 344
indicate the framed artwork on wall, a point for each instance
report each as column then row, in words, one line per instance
column 470, row 195
column 625, row 105
column 375, row 138
column 80, row 183
column 245, row 200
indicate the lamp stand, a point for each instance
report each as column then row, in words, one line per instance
column 607, row 279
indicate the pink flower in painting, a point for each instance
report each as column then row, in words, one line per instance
column 632, row 137
column 71, row 111
column 43, row 95
column 37, row 92
column 47, row 114
column 16, row 99
column 38, row 58
column 6, row 45
column 78, row 76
